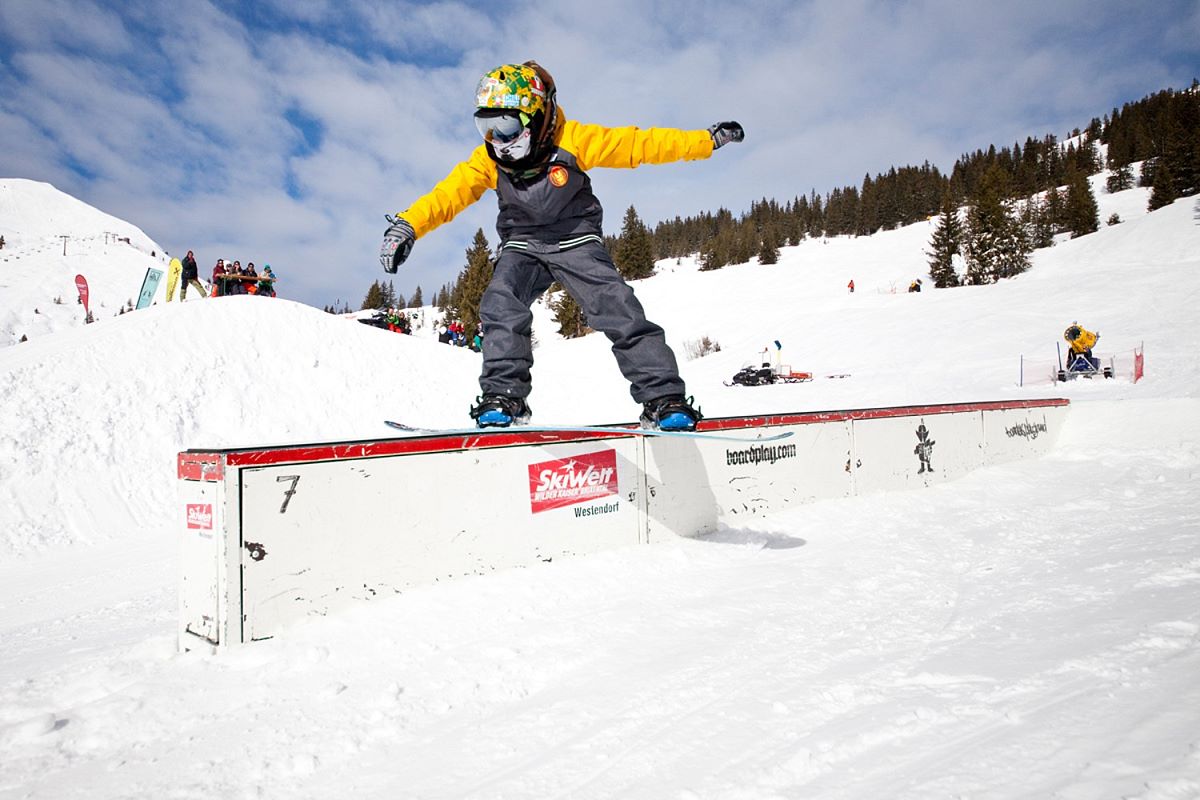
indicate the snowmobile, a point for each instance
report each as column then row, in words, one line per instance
column 764, row 372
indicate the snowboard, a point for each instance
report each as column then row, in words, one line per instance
column 173, row 275
column 725, row 437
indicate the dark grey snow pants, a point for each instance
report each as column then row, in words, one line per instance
column 587, row 272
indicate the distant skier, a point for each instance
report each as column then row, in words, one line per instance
column 550, row 230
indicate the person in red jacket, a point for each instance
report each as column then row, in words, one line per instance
column 218, row 274
column 537, row 160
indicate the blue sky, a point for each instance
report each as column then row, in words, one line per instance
column 281, row 131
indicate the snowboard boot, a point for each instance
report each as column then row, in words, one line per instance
column 671, row 413
column 499, row 411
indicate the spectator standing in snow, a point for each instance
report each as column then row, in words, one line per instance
column 190, row 274
column 850, row 286
column 550, row 229
column 189, row 264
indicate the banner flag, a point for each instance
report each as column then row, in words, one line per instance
column 81, row 285
column 149, row 287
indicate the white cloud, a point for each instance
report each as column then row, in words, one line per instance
column 176, row 116
column 77, row 24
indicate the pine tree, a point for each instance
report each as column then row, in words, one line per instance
column 995, row 245
column 1083, row 215
column 715, row 252
column 417, row 299
column 1054, row 211
column 376, row 297
column 634, row 252
column 768, row 253
column 745, row 243
column 567, row 313
column 1164, row 188
column 472, row 281
column 1086, row 160
column 946, row 243
column 1120, row 180
column 1039, row 223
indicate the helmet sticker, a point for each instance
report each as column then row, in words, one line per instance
column 511, row 86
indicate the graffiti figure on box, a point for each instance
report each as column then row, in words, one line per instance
column 924, row 449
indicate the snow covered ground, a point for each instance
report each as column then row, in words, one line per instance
column 1032, row 630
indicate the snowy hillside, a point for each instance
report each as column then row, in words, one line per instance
column 1032, row 630
column 38, row 269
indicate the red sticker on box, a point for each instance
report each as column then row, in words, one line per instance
column 570, row 481
column 199, row 516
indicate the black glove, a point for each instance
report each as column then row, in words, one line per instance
column 726, row 132
column 397, row 243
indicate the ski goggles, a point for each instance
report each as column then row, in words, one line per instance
column 502, row 128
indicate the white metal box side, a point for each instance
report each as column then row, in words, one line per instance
column 679, row 500
column 320, row 534
column 202, row 519
column 1016, row 433
column 697, row 485
column 899, row 452
column 271, row 535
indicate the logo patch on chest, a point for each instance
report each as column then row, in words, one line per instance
column 558, row 176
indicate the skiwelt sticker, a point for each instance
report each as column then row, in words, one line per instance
column 570, row 481
column 199, row 516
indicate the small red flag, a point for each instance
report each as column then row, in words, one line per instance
column 81, row 285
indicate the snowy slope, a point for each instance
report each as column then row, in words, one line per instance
column 38, row 279
column 1032, row 630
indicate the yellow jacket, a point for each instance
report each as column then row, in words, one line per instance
column 556, row 203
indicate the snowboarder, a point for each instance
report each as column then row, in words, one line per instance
column 536, row 159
